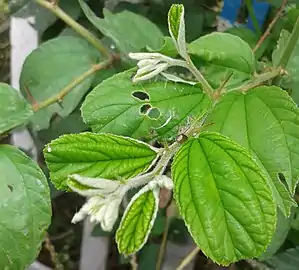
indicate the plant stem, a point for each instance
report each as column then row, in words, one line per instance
column 253, row 17
column 163, row 244
column 288, row 50
column 205, row 84
column 54, row 8
column 188, row 259
column 260, row 79
column 270, row 26
column 74, row 83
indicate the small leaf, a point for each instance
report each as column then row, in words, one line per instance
column 97, row 155
column 14, row 110
column 25, row 209
column 262, row 116
column 130, row 32
column 176, row 25
column 225, row 50
column 137, row 222
column 224, row 198
column 127, row 113
column 58, row 62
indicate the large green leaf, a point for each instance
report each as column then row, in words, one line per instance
column 137, row 222
column 130, row 32
column 97, row 155
column 162, row 107
column 25, row 209
column 224, row 198
column 225, row 50
column 50, row 68
column 14, row 110
column 266, row 121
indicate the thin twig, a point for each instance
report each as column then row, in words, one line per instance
column 270, row 26
column 51, row 249
column 188, row 259
column 58, row 97
column 163, row 244
column 92, row 39
column 133, row 262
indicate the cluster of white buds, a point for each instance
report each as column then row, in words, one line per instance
column 104, row 198
column 151, row 64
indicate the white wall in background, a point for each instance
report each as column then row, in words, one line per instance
column 23, row 40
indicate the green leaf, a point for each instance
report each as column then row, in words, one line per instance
column 97, row 155
column 224, row 198
column 25, row 209
column 167, row 49
column 283, row 226
column 225, row 50
column 58, row 62
column 137, row 222
column 130, row 32
column 249, row 37
column 14, row 110
column 176, row 25
column 265, row 120
column 292, row 81
column 287, row 260
column 175, row 14
column 111, row 107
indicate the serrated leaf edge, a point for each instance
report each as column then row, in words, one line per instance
column 145, row 189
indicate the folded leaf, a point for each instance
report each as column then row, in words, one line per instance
column 224, row 198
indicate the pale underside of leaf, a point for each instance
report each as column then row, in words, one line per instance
column 224, row 198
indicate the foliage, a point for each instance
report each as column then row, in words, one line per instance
column 212, row 113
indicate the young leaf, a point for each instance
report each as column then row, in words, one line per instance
column 130, row 111
column 137, row 221
column 130, row 32
column 14, row 110
column 176, row 25
column 58, row 62
column 224, row 198
column 263, row 116
column 25, row 208
column 225, row 50
column 97, row 155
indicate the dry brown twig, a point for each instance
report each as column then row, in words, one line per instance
column 270, row 26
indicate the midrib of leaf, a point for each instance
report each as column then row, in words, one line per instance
column 220, row 198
